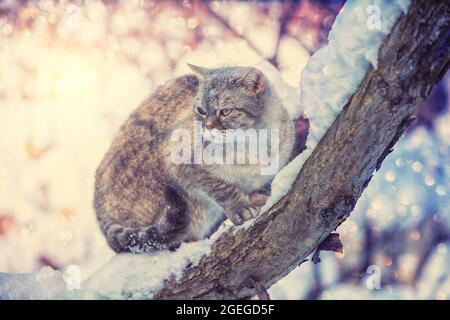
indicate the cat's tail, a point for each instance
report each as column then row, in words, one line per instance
column 137, row 239
column 141, row 239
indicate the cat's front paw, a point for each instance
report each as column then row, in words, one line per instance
column 243, row 215
column 258, row 199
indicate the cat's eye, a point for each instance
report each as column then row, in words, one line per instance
column 226, row 111
column 201, row 111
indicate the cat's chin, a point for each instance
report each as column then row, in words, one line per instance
column 228, row 136
column 216, row 136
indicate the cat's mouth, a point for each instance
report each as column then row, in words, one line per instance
column 228, row 136
column 216, row 135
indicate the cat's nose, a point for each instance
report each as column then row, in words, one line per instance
column 209, row 125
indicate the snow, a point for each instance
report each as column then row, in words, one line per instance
column 333, row 74
column 125, row 276
column 44, row 284
column 131, row 276
column 335, row 71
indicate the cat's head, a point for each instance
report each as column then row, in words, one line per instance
column 230, row 97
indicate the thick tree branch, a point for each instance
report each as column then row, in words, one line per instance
column 411, row 60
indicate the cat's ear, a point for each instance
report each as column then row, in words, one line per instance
column 254, row 81
column 200, row 71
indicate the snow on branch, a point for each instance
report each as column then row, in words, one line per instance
column 335, row 71
column 359, row 92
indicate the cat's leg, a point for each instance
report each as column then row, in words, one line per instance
column 259, row 197
column 235, row 203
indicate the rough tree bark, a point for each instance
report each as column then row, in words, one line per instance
column 411, row 60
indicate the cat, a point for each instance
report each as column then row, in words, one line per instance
column 145, row 202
